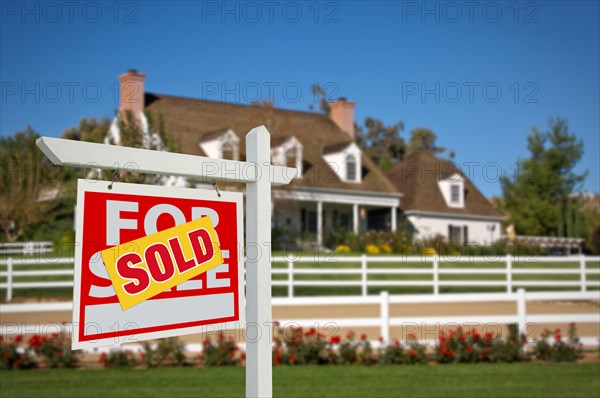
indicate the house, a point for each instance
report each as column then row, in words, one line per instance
column 338, row 185
column 438, row 199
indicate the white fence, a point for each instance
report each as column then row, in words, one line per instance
column 508, row 271
column 367, row 266
column 384, row 321
column 25, row 248
column 503, row 266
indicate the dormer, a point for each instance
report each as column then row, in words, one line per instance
column 222, row 144
column 287, row 152
column 453, row 190
column 345, row 160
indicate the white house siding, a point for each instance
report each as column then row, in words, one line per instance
column 427, row 226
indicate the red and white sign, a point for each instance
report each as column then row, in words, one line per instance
column 107, row 218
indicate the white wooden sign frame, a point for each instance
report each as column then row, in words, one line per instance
column 258, row 174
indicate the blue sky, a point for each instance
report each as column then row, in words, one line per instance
column 480, row 76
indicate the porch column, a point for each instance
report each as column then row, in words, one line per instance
column 355, row 218
column 319, row 223
column 394, row 219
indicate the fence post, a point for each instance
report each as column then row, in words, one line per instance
column 290, row 279
column 9, row 279
column 522, row 310
column 364, row 274
column 508, row 273
column 583, row 273
column 436, row 275
column 385, row 315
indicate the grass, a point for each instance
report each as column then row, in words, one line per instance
column 499, row 380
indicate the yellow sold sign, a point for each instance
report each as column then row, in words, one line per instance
column 145, row 267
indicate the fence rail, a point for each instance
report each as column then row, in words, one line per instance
column 384, row 321
column 504, row 267
column 25, row 248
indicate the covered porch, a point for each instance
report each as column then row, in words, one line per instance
column 315, row 212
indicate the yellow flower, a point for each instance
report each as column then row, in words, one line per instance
column 372, row 249
column 342, row 249
column 385, row 248
column 429, row 251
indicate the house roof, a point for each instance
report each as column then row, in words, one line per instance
column 188, row 120
column 336, row 147
column 417, row 178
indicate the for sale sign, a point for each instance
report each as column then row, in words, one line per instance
column 154, row 262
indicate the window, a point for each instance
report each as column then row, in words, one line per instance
column 351, row 168
column 228, row 152
column 455, row 193
column 454, row 234
column 465, row 235
column 291, row 157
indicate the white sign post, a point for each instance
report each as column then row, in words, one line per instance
column 258, row 174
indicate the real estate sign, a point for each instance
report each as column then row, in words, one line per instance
column 154, row 262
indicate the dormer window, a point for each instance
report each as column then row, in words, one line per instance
column 345, row 160
column 351, row 167
column 223, row 144
column 453, row 190
column 287, row 151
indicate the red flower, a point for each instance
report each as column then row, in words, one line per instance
column 380, row 339
column 411, row 336
column 206, row 341
column 277, row 359
column 102, row 358
column 16, row 364
column 462, row 338
column 397, row 342
column 335, row 340
column 6, row 356
column 411, row 353
column 469, row 349
column 557, row 337
column 243, row 356
column 18, row 338
column 350, row 335
column 292, row 358
column 363, row 337
column 451, row 354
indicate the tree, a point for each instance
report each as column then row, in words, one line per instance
column 383, row 143
column 24, row 184
column 320, row 95
column 423, row 139
column 88, row 130
column 539, row 198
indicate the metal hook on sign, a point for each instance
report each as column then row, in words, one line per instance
column 216, row 189
column 114, row 178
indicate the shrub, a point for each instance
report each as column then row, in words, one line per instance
column 12, row 356
column 294, row 346
column 118, row 359
column 342, row 249
column 372, row 249
column 55, row 351
column 551, row 346
column 458, row 346
column 168, row 352
column 385, row 248
column 220, row 353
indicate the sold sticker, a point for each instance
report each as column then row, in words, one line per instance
column 145, row 267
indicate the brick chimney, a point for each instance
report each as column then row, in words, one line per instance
column 132, row 92
column 342, row 113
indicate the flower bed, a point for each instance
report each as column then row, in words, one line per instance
column 297, row 346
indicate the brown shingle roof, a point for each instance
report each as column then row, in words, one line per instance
column 189, row 119
column 417, row 178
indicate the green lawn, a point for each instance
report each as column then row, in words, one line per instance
column 501, row 380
